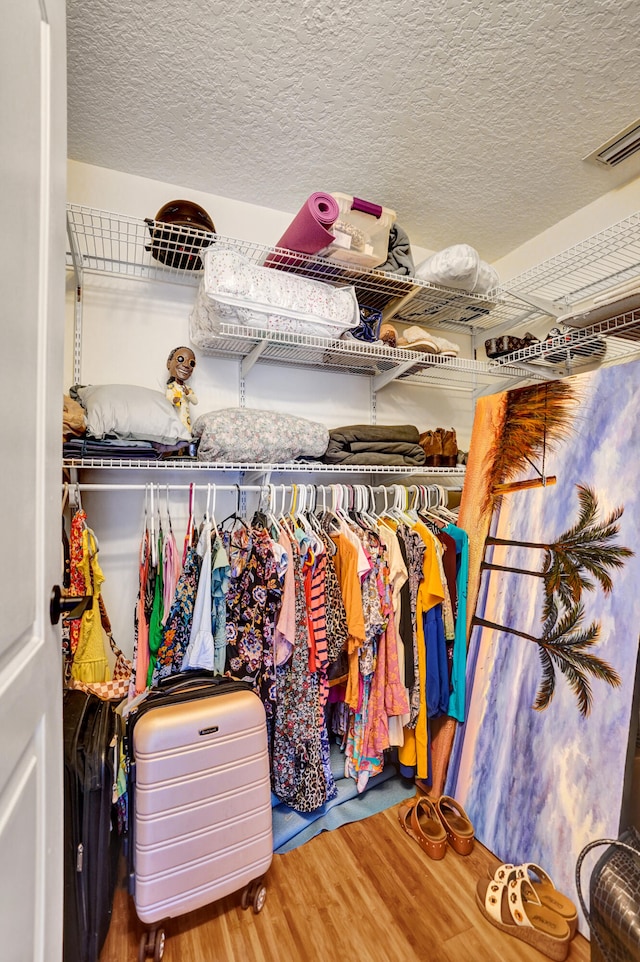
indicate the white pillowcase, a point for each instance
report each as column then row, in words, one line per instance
column 129, row 412
column 460, row 267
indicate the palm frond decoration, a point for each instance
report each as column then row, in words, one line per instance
column 536, row 419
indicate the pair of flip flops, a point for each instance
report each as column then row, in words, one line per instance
column 521, row 900
column 436, row 824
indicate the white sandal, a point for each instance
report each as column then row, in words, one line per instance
column 513, row 907
column 544, row 888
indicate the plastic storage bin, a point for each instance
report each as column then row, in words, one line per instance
column 361, row 232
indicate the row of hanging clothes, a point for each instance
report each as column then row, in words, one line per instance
column 344, row 609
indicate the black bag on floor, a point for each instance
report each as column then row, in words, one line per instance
column 614, row 897
column 91, row 840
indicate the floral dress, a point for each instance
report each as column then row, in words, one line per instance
column 298, row 776
column 177, row 629
column 252, row 602
column 415, row 549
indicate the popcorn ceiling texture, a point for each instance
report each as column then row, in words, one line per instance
column 469, row 119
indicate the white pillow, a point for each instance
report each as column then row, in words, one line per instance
column 455, row 266
column 129, row 412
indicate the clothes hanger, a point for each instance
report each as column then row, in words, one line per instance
column 384, row 515
column 312, row 518
column 166, row 507
column 152, row 532
column 430, row 511
column 443, row 506
column 270, row 507
column 412, row 509
column 363, row 495
column 396, row 511
column 235, row 516
column 283, row 520
column 329, row 520
column 188, row 537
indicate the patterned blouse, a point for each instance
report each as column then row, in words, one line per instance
column 253, row 601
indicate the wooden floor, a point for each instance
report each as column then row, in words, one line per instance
column 365, row 892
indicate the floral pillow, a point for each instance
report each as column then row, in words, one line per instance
column 243, row 434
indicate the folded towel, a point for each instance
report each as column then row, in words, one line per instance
column 399, row 259
column 375, row 444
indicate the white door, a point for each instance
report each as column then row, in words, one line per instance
column 32, row 245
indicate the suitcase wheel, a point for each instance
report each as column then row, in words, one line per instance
column 255, row 894
column 152, row 945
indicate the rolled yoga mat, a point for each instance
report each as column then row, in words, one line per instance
column 308, row 231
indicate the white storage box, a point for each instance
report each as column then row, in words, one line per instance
column 236, row 291
column 361, row 232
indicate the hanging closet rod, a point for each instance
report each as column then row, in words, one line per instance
column 256, row 488
column 88, row 486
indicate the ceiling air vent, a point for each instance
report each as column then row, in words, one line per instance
column 624, row 144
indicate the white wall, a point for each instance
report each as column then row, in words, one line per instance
column 129, row 327
column 612, row 207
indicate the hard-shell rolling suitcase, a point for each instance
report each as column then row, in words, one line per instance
column 199, row 799
column 91, row 840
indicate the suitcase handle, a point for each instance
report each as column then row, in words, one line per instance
column 193, row 678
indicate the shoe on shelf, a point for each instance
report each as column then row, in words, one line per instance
column 446, row 348
column 449, row 448
column 419, row 819
column 544, row 888
column 456, row 823
column 431, row 444
column 513, row 907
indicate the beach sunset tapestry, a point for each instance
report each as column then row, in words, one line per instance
column 552, row 506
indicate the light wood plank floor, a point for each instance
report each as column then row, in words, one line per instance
column 365, row 892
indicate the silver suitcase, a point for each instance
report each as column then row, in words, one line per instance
column 199, row 800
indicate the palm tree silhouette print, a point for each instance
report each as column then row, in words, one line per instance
column 565, row 645
column 584, row 552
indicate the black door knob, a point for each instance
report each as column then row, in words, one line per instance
column 71, row 606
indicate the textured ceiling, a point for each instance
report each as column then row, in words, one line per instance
column 470, row 119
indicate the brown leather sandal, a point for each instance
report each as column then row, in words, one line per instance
column 457, row 824
column 419, row 819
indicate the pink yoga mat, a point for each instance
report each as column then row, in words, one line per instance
column 308, row 231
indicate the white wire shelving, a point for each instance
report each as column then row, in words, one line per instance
column 382, row 363
column 596, row 264
column 101, row 242
column 260, row 468
column 104, row 242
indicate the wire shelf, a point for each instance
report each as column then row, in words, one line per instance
column 352, row 357
column 608, row 341
column 100, row 241
column 289, row 467
column 596, row 264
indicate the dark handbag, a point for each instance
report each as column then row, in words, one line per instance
column 614, row 896
column 496, row 347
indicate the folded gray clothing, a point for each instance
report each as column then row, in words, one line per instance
column 411, row 455
column 375, row 432
column 375, row 444
column 399, row 259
